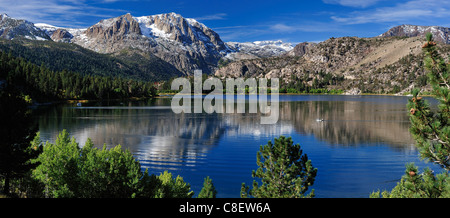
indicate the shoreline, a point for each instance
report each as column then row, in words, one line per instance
column 362, row 94
column 169, row 95
column 74, row 101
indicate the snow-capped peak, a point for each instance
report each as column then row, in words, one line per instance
column 3, row 15
column 174, row 27
column 47, row 28
column 261, row 48
column 11, row 28
column 149, row 28
column 440, row 34
column 276, row 44
column 257, row 49
column 50, row 29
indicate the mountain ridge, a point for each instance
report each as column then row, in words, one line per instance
column 183, row 42
column 440, row 34
column 11, row 28
column 364, row 65
column 376, row 64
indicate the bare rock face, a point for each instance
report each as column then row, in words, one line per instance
column 111, row 35
column 116, row 28
column 301, row 49
column 353, row 91
column 182, row 42
column 61, row 35
column 440, row 34
column 246, row 68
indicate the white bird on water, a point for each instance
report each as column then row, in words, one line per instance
column 319, row 120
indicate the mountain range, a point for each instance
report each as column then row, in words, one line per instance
column 183, row 42
column 389, row 63
column 178, row 46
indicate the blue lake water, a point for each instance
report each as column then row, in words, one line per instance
column 361, row 146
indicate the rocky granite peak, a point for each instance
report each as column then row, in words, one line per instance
column 301, row 49
column 61, row 35
column 11, row 28
column 115, row 28
column 440, row 34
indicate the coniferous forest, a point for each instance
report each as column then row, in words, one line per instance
column 67, row 56
column 43, row 84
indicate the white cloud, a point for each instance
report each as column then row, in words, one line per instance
column 306, row 26
column 55, row 12
column 411, row 11
column 218, row 16
column 353, row 3
column 236, row 33
column 282, row 28
column 288, row 30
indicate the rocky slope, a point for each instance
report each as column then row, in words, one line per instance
column 11, row 28
column 441, row 34
column 389, row 63
column 183, row 42
column 301, row 49
column 374, row 65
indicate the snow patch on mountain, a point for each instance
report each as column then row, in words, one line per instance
column 47, row 28
column 50, row 29
column 149, row 29
column 440, row 34
column 11, row 28
column 258, row 49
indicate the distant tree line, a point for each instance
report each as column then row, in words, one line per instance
column 319, row 84
column 296, row 85
column 43, row 84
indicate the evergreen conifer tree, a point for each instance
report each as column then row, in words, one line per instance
column 284, row 170
column 431, row 131
column 208, row 190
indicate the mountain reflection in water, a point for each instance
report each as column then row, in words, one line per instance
column 225, row 145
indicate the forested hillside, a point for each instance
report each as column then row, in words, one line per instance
column 43, row 84
column 71, row 57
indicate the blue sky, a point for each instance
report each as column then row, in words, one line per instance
column 247, row 20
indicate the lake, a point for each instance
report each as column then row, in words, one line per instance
column 362, row 144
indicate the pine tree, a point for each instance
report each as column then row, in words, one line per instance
column 208, row 190
column 414, row 184
column 284, row 170
column 431, row 131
